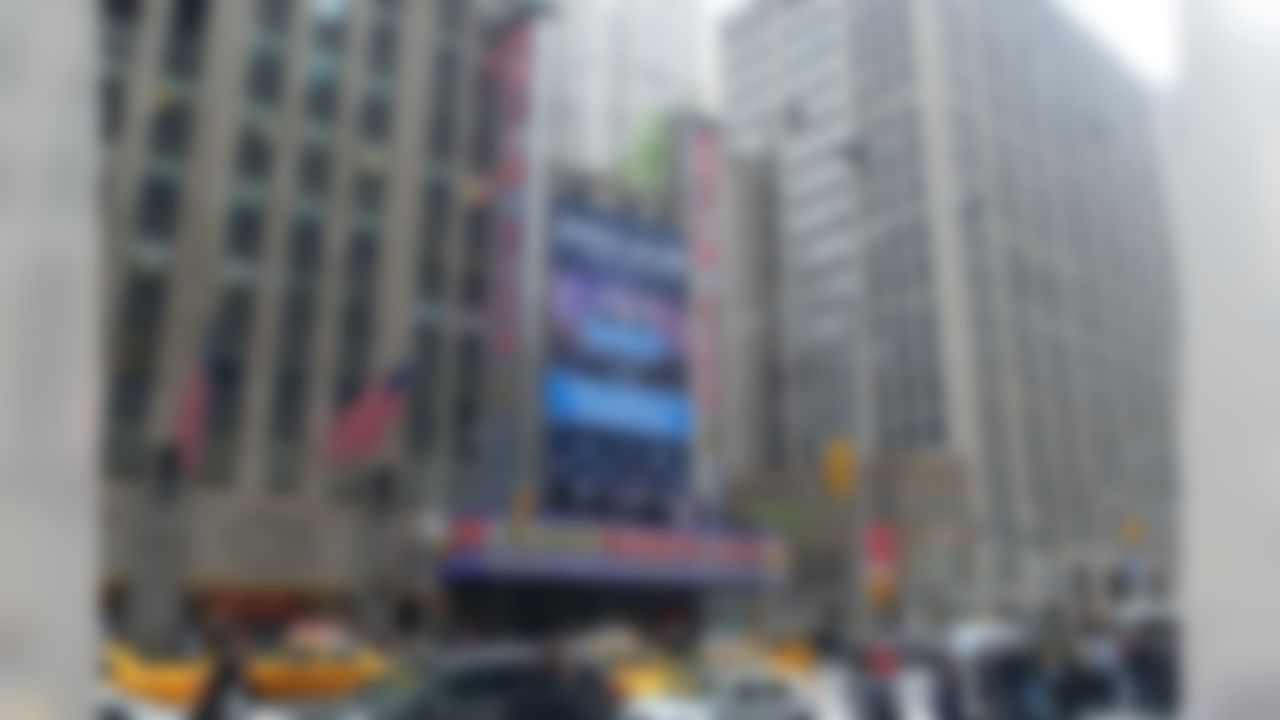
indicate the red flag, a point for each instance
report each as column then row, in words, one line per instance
column 363, row 424
column 193, row 413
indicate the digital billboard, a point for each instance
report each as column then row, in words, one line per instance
column 618, row 416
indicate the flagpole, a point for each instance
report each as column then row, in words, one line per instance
column 162, row 533
column 378, row 506
column 160, row 552
column 359, row 435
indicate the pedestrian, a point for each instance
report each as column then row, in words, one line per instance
column 948, row 693
column 226, row 691
column 1071, row 688
column 877, row 668
column 1102, row 659
column 1152, row 662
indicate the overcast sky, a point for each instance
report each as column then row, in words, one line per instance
column 1144, row 32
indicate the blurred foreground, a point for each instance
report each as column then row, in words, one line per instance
column 993, row 670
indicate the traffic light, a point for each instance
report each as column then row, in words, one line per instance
column 1133, row 532
column 840, row 468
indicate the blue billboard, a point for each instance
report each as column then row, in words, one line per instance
column 619, row 419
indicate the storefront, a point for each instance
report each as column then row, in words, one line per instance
column 505, row 576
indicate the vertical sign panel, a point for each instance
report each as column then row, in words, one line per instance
column 701, row 184
column 618, row 418
column 510, row 66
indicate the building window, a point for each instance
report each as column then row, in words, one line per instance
column 182, row 52
column 357, row 316
column 477, row 256
column 124, row 12
column 467, row 410
column 313, row 169
column 484, row 136
column 452, row 13
column 244, row 233
column 434, row 224
column 266, row 76
column 158, row 213
column 304, row 249
column 297, row 322
column 254, row 155
column 368, row 193
column 296, row 316
column 274, row 14
column 232, row 329
column 170, row 128
column 347, row 388
column 420, row 425
column 133, row 369
column 289, row 397
column 382, row 47
column 375, row 116
column 330, row 25
column 443, row 107
column 362, row 259
column 322, row 95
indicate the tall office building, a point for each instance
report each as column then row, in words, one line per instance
column 754, row 389
column 621, row 66
column 286, row 204
column 973, row 258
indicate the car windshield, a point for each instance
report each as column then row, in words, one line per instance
column 395, row 688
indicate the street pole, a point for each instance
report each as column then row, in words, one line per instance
column 372, row 551
column 160, row 556
column 868, row 499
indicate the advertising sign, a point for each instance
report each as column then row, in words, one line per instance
column 510, row 67
column 510, row 70
column 480, row 546
column 701, row 189
column 618, row 417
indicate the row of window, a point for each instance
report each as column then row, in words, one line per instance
column 145, row 291
column 435, row 220
column 159, row 211
column 290, row 375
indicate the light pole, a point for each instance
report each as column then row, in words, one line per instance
column 371, row 555
column 871, row 501
column 160, row 555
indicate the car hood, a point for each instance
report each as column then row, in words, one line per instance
column 669, row 709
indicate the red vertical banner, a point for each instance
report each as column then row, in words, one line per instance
column 702, row 192
column 509, row 67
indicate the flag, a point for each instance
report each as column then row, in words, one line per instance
column 361, row 427
column 192, row 417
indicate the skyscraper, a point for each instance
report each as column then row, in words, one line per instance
column 973, row 257
column 620, row 65
column 286, row 201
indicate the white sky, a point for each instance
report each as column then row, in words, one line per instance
column 1144, row 32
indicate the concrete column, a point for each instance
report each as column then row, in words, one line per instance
column 49, row 369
